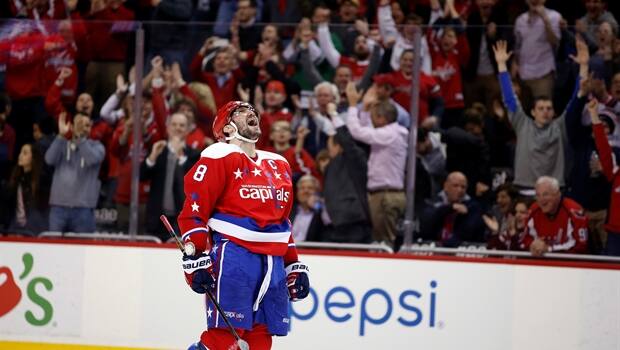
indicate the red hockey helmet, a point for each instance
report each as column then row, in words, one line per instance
column 224, row 116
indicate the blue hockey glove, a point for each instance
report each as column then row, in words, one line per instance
column 297, row 281
column 199, row 274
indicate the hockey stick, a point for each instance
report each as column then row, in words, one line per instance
column 243, row 345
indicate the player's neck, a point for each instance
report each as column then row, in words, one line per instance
column 246, row 147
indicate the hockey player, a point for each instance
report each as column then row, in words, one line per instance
column 235, row 228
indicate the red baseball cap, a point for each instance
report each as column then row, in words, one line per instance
column 383, row 79
column 276, row 85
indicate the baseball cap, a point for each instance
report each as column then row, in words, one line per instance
column 276, row 85
column 383, row 79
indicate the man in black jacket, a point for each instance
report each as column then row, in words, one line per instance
column 344, row 189
column 165, row 166
column 453, row 217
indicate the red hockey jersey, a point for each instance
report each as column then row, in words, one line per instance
column 358, row 68
column 447, row 68
column 566, row 231
column 24, row 66
column 58, row 54
column 246, row 200
column 429, row 89
column 612, row 174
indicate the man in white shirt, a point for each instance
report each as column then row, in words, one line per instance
column 537, row 34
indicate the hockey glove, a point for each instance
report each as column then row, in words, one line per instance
column 199, row 274
column 297, row 281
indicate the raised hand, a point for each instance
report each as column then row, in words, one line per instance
column 306, row 36
column 491, row 223
column 581, row 26
column 207, row 45
column 593, row 111
column 302, row 132
column 332, row 110
column 258, row 97
column 361, row 27
column 502, row 55
column 64, row 126
column 500, row 50
column 244, row 94
column 121, row 84
column 65, row 72
column 370, row 98
column 353, row 95
column 158, row 147
column 177, row 76
column 583, row 55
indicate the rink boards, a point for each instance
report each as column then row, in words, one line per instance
column 93, row 296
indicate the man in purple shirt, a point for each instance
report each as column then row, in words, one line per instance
column 386, row 164
column 537, row 34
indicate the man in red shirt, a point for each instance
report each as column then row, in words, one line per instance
column 450, row 54
column 430, row 103
column 555, row 223
column 223, row 79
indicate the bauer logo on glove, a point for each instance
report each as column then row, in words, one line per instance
column 297, row 281
column 198, row 271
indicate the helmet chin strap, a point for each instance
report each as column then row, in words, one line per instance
column 236, row 135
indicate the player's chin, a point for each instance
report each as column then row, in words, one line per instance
column 252, row 133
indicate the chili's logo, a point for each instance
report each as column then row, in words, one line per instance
column 11, row 294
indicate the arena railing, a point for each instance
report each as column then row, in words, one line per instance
column 482, row 252
column 372, row 247
column 120, row 236
column 424, row 249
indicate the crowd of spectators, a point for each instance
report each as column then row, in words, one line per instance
column 496, row 165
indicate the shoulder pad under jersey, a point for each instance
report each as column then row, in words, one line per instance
column 220, row 150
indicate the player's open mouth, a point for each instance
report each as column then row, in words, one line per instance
column 252, row 122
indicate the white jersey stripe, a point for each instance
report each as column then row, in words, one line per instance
column 186, row 234
column 570, row 242
column 219, row 278
column 243, row 233
column 264, row 286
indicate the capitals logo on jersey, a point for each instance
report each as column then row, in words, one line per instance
column 263, row 193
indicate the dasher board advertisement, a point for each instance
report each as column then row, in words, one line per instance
column 135, row 297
